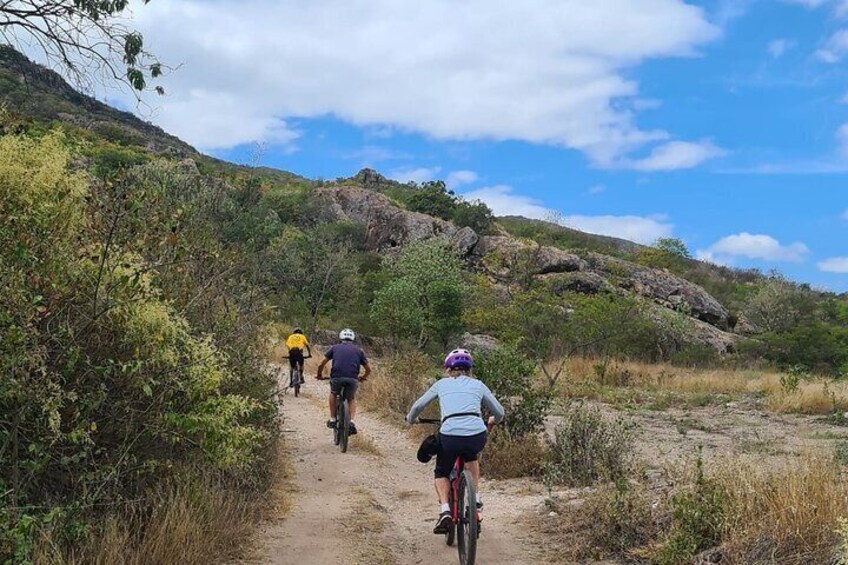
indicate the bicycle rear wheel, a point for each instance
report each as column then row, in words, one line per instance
column 344, row 423
column 337, row 429
column 467, row 524
column 295, row 381
column 450, row 535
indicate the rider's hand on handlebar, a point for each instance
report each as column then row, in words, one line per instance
column 490, row 423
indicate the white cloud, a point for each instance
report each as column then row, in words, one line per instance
column 504, row 202
column 834, row 265
column 458, row 178
column 677, row 155
column 597, row 189
column 419, row 175
column 835, row 48
column 371, row 154
column 752, row 246
column 839, row 7
column 554, row 72
column 779, row 47
column 640, row 229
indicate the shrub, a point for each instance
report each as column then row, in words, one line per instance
column 397, row 383
column 509, row 375
column 697, row 515
column 622, row 518
column 508, row 458
column 587, row 448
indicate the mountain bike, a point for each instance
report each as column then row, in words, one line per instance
column 462, row 499
column 341, row 431
column 296, row 377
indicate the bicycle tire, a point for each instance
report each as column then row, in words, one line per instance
column 336, row 429
column 467, row 523
column 295, row 381
column 450, row 535
column 344, row 421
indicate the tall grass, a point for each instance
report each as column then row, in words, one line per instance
column 601, row 380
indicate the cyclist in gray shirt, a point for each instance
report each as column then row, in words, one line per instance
column 463, row 431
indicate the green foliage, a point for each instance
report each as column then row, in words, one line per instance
column 697, row 517
column 425, row 295
column 509, row 375
column 621, row 517
column 587, row 447
column 125, row 355
column 435, row 199
column 673, row 246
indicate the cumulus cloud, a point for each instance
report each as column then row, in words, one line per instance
column 459, row 178
column 752, row 246
column 640, row 229
column 597, row 189
column 503, row 201
column 677, row 155
column 834, row 265
column 542, row 71
column 419, row 175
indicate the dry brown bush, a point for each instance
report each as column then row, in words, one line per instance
column 396, row 384
column 788, row 515
column 506, row 458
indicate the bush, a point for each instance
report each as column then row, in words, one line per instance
column 397, row 383
column 509, row 375
column 508, row 458
column 587, row 448
column 697, row 517
column 622, row 518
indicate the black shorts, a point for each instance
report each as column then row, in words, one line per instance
column 350, row 386
column 453, row 446
column 296, row 358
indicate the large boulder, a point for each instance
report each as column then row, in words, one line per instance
column 662, row 287
column 387, row 226
column 502, row 254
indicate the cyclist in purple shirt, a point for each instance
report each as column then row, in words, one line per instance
column 347, row 357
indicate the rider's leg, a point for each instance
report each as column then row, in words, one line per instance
column 442, row 489
column 333, row 406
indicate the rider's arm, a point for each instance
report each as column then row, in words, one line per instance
column 490, row 402
column 420, row 404
column 364, row 376
column 323, row 364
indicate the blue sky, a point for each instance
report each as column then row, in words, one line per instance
column 722, row 123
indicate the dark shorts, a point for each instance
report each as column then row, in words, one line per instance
column 350, row 386
column 296, row 358
column 452, row 447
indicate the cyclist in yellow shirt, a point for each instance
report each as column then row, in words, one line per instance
column 295, row 344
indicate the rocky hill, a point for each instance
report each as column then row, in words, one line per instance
column 711, row 299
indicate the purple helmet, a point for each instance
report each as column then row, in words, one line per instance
column 459, row 359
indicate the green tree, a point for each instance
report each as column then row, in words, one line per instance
column 673, row 246
column 435, row 199
column 86, row 38
column 426, row 277
column 475, row 215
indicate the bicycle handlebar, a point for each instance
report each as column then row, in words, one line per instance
column 287, row 357
column 428, row 421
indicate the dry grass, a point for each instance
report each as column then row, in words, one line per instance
column 505, row 458
column 198, row 521
column 788, row 515
column 642, row 382
column 396, row 384
column 364, row 443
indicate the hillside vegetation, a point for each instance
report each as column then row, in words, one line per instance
column 140, row 282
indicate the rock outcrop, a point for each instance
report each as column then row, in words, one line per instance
column 662, row 287
column 388, row 227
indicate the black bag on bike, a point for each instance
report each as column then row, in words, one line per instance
column 429, row 448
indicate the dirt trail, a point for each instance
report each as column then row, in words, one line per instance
column 376, row 502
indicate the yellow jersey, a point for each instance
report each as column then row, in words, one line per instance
column 297, row 341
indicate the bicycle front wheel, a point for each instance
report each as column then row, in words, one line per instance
column 467, row 525
column 296, row 382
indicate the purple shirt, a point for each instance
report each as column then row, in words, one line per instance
column 347, row 358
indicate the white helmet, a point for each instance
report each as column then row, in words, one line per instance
column 347, row 335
